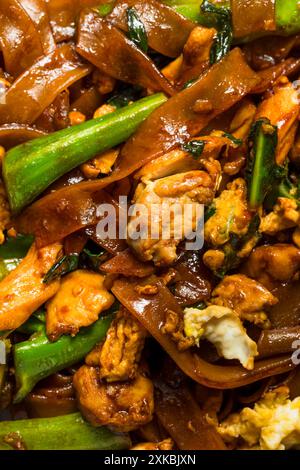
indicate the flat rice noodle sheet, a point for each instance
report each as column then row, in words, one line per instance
column 250, row 17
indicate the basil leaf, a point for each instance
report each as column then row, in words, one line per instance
column 220, row 17
column 194, row 148
column 65, row 265
column 136, row 30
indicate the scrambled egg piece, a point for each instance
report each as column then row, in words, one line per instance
column 79, row 301
column 231, row 215
column 173, row 208
column 223, row 328
column 118, row 357
column 124, row 406
column 273, row 423
column 248, row 298
column 166, row 444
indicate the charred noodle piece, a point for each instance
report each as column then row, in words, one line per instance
column 167, row 31
column 39, row 85
column 151, row 311
column 30, row 168
column 22, row 41
column 180, row 414
column 12, row 252
column 23, row 291
column 69, row 432
column 226, row 83
column 16, row 134
column 281, row 341
column 252, row 17
column 64, row 13
column 38, row 358
column 113, row 53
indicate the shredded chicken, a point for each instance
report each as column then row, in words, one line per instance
column 79, row 301
column 273, row 262
column 223, row 328
column 272, row 424
column 159, row 198
column 118, row 357
column 23, row 290
column 231, row 214
column 124, row 406
column 247, row 297
column 174, row 326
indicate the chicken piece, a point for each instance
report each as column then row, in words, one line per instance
column 285, row 215
column 274, row 262
column 174, row 326
column 100, row 165
column 282, row 109
column 167, row 211
column 248, row 298
column 118, row 357
column 222, row 327
column 78, row 302
column 4, row 212
column 178, row 161
column 23, row 290
column 172, row 70
column 231, row 214
column 123, row 406
column 273, row 423
column 166, row 444
column 196, row 54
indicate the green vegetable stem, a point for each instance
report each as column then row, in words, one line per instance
column 69, row 432
column 31, row 167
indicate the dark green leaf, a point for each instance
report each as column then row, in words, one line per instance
column 124, row 96
column 209, row 212
column 16, row 247
column 189, row 83
column 220, row 18
column 136, row 30
column 65, row 265
column 92, row 260
column 261, row 165
column 231, row 137
column 194, row 148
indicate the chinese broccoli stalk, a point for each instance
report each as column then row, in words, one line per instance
column 31, row 167
column 69, row 432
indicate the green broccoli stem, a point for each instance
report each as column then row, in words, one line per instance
column 69, row 432
column 31, row 167
column 287, row 13
column 38, row 358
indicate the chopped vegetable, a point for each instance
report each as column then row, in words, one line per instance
column 136, row 30
column 261, row 169
column 69, row 432
column 38, row 358
column 194, row 148
column 12, row 252
column 30, row 168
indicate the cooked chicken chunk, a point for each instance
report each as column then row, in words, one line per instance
column 285, row 215
column 223, row 328
column 4, row 212
column 23, row 290
column 166, row 219
column 282, row 108
column 174, row 327
column 78, row 302
column 100, row 165
column 248, row 298
column 231, row 214
column 167, row 444
column 274, row 262
column 118, row 357
column 273, row 423
column 123, row 406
